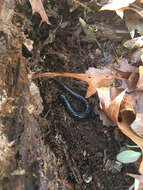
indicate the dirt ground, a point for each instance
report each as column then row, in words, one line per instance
column 56, row 150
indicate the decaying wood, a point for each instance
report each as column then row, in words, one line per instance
column 24, row 159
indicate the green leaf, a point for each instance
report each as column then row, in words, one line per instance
column 132, row 146
column 128, row 156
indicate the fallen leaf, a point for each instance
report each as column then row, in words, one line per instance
column 121, row 6
column 132, row 81
column 133, row 24
column 96, row 79
column 136, row 56
column 134, row 43
column 118, row 6
column 125, row 128
column 110, row 107
column 127, row 109
column 37, row 6
column 128, row 156
column 104, row 98
column 113, row 107
column 129, row 73
column 124, row 69
column 137, row 9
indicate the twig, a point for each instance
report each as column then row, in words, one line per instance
column 83, row 5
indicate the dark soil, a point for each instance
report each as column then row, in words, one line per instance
column 85, row 149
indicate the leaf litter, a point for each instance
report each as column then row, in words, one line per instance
column 121, row 103
column 124, row 102
column 37, row 6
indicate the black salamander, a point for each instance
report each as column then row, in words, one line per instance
column 69, row 108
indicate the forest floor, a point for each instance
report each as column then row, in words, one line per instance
column 84, row 150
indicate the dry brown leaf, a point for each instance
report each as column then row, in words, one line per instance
column 37, row 6
column 134, row 43
column 127, row 116
column 124, row 69
column 95, row 79
column 136, row 56
column 136, row 9
column 110, row 107
column 134, row 24
column 104, row 98
column 120, row 104
column 134, row 18
column 128, row 108
column 98, row 78
column 128, row 73
column 132, row 81
column 125, row 128
column 118, row 6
